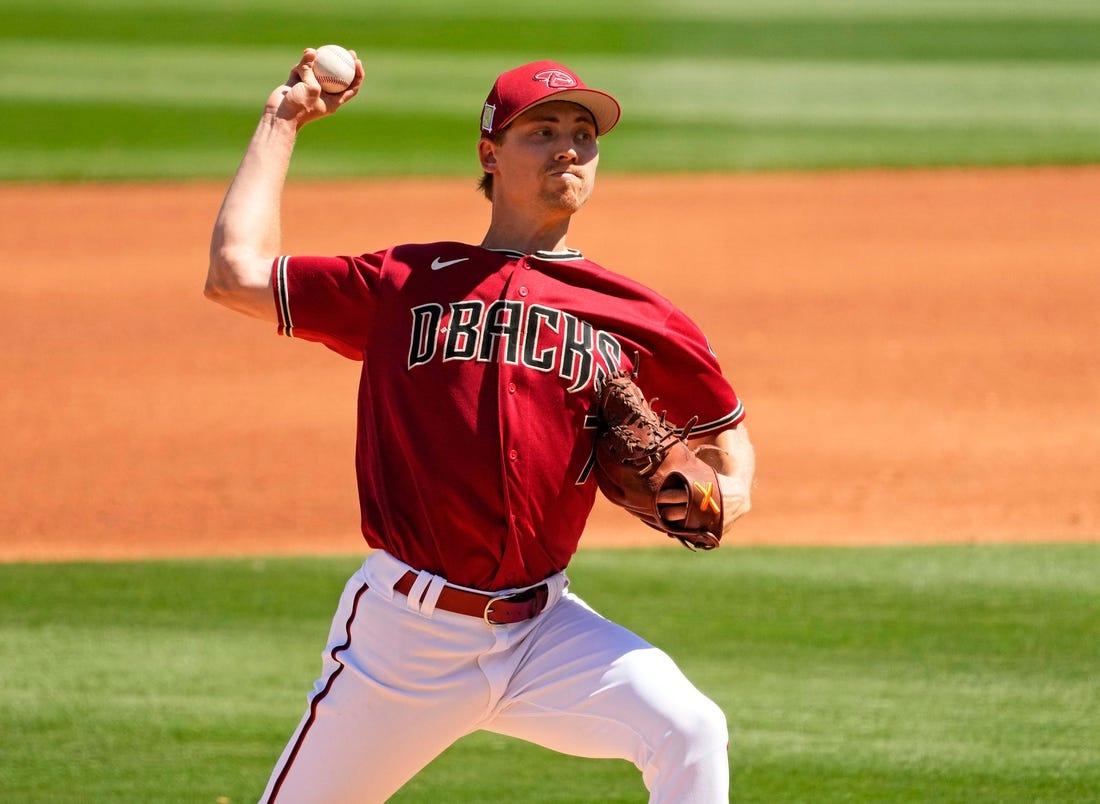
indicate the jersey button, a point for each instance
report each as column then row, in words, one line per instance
column 513, row 454
column 511, row 387
column 523, row 291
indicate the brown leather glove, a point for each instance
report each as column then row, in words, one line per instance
column 639, row 455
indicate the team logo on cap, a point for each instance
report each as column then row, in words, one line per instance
column 555, row 79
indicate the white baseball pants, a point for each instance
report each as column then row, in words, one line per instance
column 401, row 682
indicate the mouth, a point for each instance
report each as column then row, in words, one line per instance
column 562, row 173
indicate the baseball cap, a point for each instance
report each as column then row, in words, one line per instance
column 519, row 89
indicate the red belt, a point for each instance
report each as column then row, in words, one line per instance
column 493, row 609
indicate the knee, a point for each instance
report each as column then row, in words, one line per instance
column 691, row 762
column 698, row 731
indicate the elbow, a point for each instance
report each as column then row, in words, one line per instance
column 216, row 288
column 210, row 290
column 225, row 276
column 241, row 284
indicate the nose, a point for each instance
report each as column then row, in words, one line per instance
column 567, row 150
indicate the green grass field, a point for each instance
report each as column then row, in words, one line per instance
column 947, row 674
column 121, row 89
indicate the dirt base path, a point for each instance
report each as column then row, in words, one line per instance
column 919, row 353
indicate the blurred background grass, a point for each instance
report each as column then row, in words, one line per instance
column 118, row 89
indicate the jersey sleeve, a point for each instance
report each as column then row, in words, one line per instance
column 683, row 372
column 329, row 300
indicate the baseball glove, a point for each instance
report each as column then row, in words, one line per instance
column 639, row 455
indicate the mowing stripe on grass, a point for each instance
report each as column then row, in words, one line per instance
column 791, row 84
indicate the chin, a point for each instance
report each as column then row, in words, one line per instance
column 571, row 199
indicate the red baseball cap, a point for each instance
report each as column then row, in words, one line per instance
column 518, row 90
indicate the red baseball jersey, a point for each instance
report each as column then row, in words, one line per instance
column 475, row 433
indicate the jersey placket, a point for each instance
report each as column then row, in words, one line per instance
column 516, row 405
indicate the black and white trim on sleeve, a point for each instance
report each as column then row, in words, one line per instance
column 724, row 423
column 282, row 296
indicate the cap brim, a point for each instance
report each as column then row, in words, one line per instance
column 605, row 109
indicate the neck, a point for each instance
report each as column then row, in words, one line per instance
column 515, row 233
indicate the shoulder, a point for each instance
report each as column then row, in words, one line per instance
column 574, row 267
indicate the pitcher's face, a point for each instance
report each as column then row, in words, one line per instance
column 548, row 155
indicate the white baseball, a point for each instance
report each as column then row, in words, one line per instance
column 334, row 68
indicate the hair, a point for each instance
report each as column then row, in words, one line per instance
column 485, row 183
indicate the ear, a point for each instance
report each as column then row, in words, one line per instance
column 487, row 153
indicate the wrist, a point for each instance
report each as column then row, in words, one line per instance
column 275, row 129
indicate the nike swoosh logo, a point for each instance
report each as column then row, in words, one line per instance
column 438, row 263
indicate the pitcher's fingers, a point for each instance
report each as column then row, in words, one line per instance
column 673, row 495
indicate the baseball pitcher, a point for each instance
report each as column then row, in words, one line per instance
column 504, row 384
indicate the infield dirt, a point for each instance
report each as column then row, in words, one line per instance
column 919, row 354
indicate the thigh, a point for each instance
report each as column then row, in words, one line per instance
column 395, row 690
column 589, row 687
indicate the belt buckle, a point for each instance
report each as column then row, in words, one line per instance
column 530, row 595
